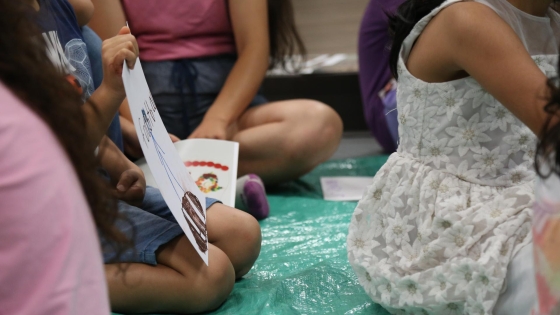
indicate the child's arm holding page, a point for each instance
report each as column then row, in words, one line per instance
column 105, row 101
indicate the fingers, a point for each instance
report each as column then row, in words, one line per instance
column 120, row 48
column 126, row 181
column 124, row 30
column 211, row 134
column 131, row 186
column 124, row 55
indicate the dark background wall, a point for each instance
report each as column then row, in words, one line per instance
column 327, row 27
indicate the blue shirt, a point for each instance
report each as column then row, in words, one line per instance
column 74, row 52
column 65, row 45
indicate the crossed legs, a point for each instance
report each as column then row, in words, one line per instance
column 181, row 282
column 281, row 141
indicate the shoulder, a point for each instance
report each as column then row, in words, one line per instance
column 467, row 18
column 469, row 24
column 22, row 135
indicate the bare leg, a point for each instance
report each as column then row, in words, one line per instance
column 283, row 140
column 237, row 234
column 181, row 282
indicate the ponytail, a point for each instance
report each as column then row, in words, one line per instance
column 402, row 22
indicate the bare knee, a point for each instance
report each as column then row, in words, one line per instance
column 216, row 279
column 198, row 287
column 319, row 130
column 250, row 233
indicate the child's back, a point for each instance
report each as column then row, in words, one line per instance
column 50, row 260
column 448, row 212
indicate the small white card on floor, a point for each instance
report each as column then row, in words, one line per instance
column 212, row 164
column 344, row 188
column 184, row 199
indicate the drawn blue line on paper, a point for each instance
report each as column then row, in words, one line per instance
column 172, row 179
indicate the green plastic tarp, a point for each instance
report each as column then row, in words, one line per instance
column 303, row 266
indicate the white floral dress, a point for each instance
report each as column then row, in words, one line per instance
column 436, row 230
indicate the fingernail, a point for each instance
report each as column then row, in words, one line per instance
column 120, row 188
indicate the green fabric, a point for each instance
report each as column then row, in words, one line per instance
column 303, row 266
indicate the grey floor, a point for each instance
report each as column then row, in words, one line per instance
column 356, row 144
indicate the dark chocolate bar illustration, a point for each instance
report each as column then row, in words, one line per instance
column 198, row 229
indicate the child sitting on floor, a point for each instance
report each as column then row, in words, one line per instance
column 205, row 60
column 165, row 274
column 445, row 226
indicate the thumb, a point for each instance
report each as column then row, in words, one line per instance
column 124, row 30
column 126, row 181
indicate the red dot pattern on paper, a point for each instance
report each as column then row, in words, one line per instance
column 206, row 163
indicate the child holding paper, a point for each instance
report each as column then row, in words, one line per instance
column 50, row 192
column 165, row 274
column 205, row 60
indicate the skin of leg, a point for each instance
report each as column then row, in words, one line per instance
column 281, row 141
column 181, row 282
column 237, row 234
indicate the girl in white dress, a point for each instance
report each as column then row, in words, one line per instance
column 447, row 220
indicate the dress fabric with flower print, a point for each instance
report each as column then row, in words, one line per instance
column 436, row 230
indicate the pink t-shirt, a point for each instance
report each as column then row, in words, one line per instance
column 50, row 257
column 176, row 29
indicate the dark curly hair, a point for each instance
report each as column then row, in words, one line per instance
column 402, row 22
column 548, row 149
column 27, row 71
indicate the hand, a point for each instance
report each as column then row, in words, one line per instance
column 174, row 138
column 213, row 128
column 131, row 186
column 115, row 52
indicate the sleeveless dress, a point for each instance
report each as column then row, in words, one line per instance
column 436, row 230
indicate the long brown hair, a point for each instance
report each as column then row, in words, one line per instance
column 27, row 71
column 284, row 37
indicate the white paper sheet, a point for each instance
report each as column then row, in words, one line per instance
column 344, row 188
column 172, row 177
column 212, row 164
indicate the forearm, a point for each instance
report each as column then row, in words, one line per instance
column 112, row 159
column 99, row 111
column 250, row 29
column 242, row 84
column 124, row 110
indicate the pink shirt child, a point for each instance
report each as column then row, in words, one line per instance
column 50, row 259
column 177, row 29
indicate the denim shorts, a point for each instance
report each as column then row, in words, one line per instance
column 184, row 89
column 152, row 224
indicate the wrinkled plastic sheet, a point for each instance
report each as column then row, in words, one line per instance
column 303, row 266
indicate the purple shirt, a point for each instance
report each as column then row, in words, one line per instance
column 373, row 53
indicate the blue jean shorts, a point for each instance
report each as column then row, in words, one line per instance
column 152, row 225
column 184, row 89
